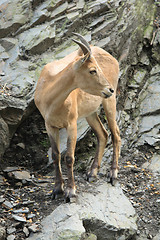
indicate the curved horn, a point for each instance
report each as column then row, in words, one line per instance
column 83, row 40
column 83, row 47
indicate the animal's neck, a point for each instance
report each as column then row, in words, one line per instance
column 61, row 86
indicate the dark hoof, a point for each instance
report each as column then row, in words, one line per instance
column 67, row 199
column 70, row 196
column 112, row 176
column 112, row 180
column 91, row 176
column 57, row 194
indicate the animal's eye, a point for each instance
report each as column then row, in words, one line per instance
column 93, row 72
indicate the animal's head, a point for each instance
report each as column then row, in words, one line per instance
column 88, row 75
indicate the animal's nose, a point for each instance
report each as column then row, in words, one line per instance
column 111, row 90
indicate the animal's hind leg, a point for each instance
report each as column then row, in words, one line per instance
column 53, row 134
column 109, row 106
column 102, row 136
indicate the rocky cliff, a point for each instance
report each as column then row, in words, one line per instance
column 33, row 33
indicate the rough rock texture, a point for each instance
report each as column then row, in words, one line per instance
column 37, row 32
column 154, row 164
column 2, row 233
column 157, row 236
column 105, row 212
column 33, row 33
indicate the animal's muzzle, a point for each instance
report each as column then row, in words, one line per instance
column 108, row 93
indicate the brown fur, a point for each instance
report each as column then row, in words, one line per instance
column 66, row 91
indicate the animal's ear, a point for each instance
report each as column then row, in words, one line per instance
column 86, row 57
column 81, row 61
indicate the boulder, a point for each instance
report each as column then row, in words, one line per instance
column 105, row 212
column 154, row 164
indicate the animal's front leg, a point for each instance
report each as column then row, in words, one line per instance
column 53, row 134
column 116, row 152
column 69, row 158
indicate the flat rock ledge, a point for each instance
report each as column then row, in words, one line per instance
column 106, row 213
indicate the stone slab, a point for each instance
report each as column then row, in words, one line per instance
column 105, row 212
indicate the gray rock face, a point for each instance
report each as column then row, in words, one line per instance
column 2, row 233
column 33, row 33
column 105, row 212
column 150, row 103
column 149, row 117
column 39, row 35
column 14, row 15
column 157, row 236
column 154, row 165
